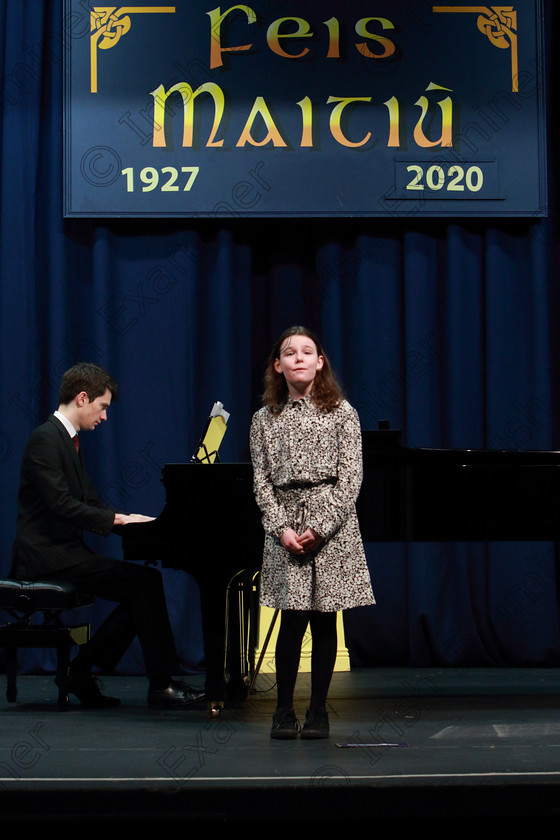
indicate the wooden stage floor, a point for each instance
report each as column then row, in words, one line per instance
column 405, row 743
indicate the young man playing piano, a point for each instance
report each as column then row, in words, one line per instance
column 56, row 504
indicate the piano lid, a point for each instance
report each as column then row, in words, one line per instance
column 420, row 494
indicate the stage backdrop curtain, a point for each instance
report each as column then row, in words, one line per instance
column 446, row 329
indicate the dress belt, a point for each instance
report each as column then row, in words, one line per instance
column 299, row 485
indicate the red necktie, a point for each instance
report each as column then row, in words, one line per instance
column 76, row 443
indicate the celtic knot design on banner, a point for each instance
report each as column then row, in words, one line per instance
column 499, row 24
column 108, row 24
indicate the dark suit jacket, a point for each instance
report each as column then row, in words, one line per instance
column 56, row 503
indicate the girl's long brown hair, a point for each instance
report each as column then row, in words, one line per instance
column 326, row 392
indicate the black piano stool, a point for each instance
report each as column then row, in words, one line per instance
column 22, row 600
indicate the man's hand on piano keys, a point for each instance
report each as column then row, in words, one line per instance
column 128, row 518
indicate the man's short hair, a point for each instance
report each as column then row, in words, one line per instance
column 87, row 377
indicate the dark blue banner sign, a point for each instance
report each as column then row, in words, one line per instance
column 396, row 108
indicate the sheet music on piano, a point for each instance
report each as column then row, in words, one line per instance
column 208, row 447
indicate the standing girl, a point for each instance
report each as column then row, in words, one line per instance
column 306, row 450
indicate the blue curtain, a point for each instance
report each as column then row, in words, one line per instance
column 446, row 329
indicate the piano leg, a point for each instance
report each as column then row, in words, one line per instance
column 229, row 632
column 241, row 629
column 215, row 709
column 213, row 609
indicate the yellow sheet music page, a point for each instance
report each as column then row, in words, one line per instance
column 212, row 440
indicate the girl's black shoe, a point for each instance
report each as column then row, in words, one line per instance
column 285, row 724
column 316, row 724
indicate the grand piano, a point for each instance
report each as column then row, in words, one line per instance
column 211, row 528
column 413, row 494
column 210, row 525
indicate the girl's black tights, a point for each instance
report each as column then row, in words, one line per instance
column 288, row 651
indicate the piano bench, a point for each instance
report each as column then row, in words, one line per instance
column 22, row 600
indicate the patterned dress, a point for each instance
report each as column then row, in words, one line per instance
column 307, row 473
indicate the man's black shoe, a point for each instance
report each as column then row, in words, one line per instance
column 176, row 695
column 87, row 689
